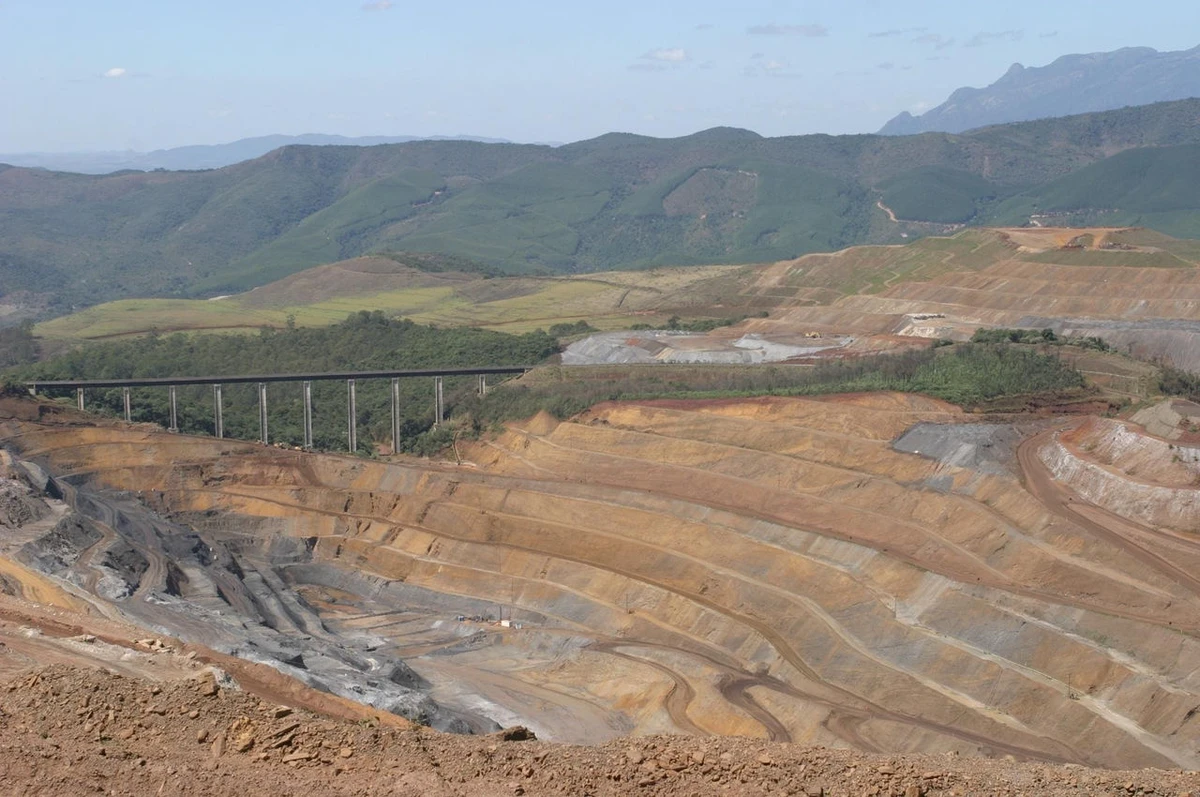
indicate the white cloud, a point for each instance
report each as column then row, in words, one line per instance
column 378, row 5
column 672, row 55
column 938, row 41
column 886, row 34
column 117, row 71
column 810, row 31
column 986, row 37
column 772, row 67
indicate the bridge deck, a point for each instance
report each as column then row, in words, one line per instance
column 167, row 381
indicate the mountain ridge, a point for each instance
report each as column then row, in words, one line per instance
column 194, row 157
column 616, row 201
column 1071, row 84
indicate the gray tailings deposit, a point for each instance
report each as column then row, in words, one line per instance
column 982, row 447
column 213, row 583
column 666, row 346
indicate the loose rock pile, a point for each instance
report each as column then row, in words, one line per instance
column 67, row 731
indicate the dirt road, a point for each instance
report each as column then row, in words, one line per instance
column 1107, row 526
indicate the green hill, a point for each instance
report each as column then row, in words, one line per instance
column 617, row 201
column 939, row 194
column 1154, row 187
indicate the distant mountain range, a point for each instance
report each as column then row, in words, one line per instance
column 618, row 201
column 1073, row 84
column 202, row 156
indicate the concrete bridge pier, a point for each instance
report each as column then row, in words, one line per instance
column 262, row 414
column 439, row 406
column 218, row 413
column 351, row 416
column 217, row 383
column 395, row 415
column 174, row 411
column 308, row 435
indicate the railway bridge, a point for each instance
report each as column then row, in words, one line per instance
column 351, row 379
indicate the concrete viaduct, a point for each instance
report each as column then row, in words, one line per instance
column 306, row 380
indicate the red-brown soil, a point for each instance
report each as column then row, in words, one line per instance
column 66, row 731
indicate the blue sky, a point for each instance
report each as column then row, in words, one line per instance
column 142, row 74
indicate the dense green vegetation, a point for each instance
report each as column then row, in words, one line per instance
column 17, row 345
column 617, row 201
column 1156, row 187
column 1176, row 382
column 436, row 263
column 365, row 341
column 937, row 193
column 566, row 330
column 968, row 374
column 1031, row 336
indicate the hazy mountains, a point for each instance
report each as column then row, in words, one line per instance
column 617, row 201
column 201, row 156
column 1072, row 84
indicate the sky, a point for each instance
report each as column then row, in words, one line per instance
column 89, row 75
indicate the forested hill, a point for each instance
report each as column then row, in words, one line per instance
column 617, row 201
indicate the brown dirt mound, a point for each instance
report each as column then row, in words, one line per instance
column 67, row 731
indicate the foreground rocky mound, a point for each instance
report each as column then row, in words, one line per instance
column 67, row 731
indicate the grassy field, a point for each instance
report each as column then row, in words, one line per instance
column 520, row 304
column 611, row 300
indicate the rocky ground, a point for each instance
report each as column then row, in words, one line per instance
column 72, row 731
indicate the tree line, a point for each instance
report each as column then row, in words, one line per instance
column 365, row 341
column 970, row 375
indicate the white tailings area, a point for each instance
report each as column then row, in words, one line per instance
column 666, row 346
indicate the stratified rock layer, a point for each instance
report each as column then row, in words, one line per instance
column 769, row 567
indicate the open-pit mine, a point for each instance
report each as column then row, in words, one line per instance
column 880, row 572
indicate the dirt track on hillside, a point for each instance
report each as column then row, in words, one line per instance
column 1119, row 531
